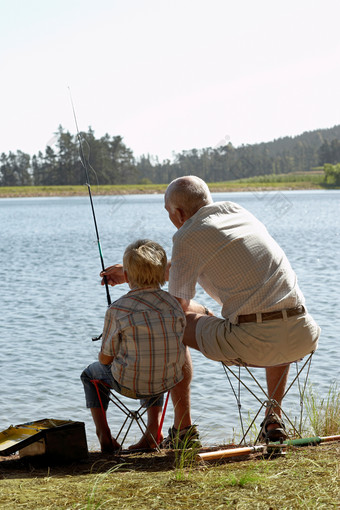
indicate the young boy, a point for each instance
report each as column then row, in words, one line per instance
column 142, row 354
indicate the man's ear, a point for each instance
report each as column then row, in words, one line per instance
column 180, row 215
column 126, row 277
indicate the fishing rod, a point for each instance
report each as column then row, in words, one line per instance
column 85, row 163
column 271, row 448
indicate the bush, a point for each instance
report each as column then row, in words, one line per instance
column 332, row 174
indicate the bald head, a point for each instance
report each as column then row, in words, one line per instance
column 188, row 193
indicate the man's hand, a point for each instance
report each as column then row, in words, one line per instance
column 114, row 275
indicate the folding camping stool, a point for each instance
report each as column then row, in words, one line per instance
column 130, row 416
column 262, row 397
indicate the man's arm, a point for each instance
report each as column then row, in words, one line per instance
column 114, row 275
column 191, row 306
column 167, row 270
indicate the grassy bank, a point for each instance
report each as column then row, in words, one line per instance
column 304, row 478
column 308, row 180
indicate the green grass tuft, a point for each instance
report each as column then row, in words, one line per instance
column 324, row 413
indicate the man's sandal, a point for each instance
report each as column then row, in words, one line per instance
column 182, row 439
column 274, row 434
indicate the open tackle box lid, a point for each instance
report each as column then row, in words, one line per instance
column 59, row 438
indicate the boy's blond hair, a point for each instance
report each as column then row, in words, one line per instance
column 145, row 262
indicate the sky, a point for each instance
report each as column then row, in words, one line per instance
column 167, row 75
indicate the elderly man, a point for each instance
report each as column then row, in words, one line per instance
column 231, row 255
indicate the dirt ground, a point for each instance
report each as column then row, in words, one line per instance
column 97, row 462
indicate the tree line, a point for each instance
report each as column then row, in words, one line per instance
column 111, row 162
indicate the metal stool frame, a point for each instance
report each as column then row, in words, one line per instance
column 268, row 402
column 130, row 416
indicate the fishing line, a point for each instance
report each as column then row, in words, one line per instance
column 85, row 163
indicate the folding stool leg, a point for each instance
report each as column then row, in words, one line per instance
column 136, row 416
column 264, row 403
column 237, row 396
column 297, row 378
column 268, row 402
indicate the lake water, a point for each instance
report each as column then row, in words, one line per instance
column 52, row 302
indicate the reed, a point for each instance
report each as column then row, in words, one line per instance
column 323, row 412
column 95, row 498
column 185, row 457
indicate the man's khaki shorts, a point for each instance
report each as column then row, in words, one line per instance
column 264, row 344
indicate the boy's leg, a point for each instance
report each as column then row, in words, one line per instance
column 101, row 372
column 154, row 414
column 108, row 443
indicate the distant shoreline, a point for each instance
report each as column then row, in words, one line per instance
column 69, row 191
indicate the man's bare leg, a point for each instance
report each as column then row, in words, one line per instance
column 189, row 338
column 154, row 414
column 107, row 442
column 276, row 378
column 180, row 396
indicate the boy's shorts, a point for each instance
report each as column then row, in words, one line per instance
column 103, row 373
column 261, row 344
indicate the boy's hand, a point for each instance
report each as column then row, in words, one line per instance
column 104, row 359
column 114, row 275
